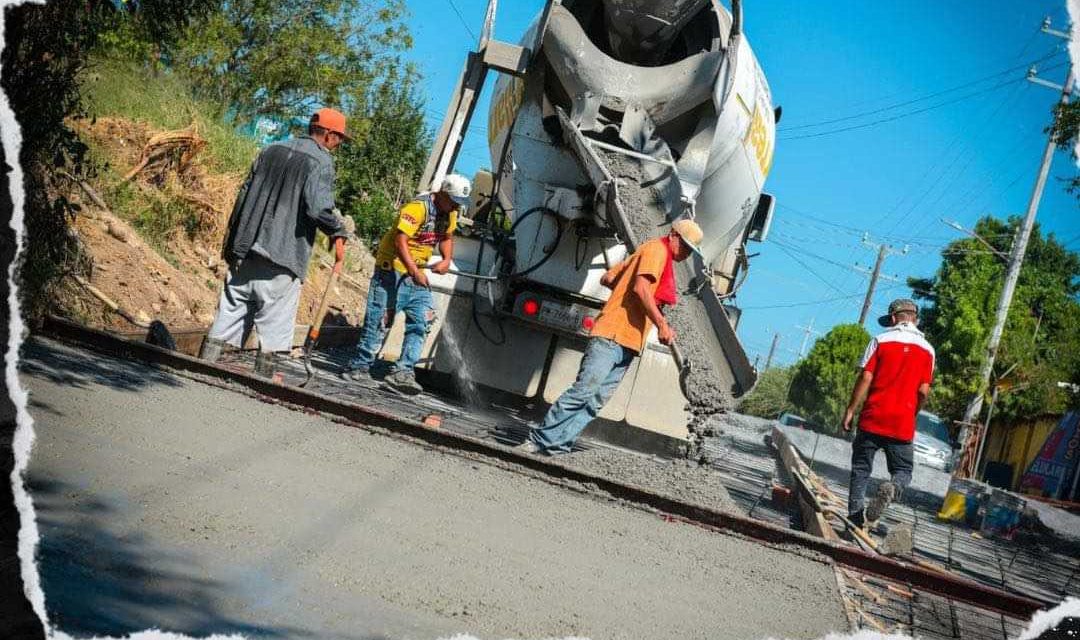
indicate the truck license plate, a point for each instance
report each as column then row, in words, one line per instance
column 555, row 313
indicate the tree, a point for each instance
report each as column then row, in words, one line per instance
column 380, row 168
column 770, row 396
column 1065, row 130
column 46, row 47
column 1040, row 345
column 823, row 381
column 279, row 58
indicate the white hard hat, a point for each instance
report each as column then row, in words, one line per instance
column 458, row 188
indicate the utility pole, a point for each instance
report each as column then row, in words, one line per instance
column 807, row 330
column 772, row 351
column 1016, row 257
column 883, row 251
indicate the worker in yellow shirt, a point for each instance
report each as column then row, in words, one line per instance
column 399, row 281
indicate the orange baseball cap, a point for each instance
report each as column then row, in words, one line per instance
column 331, row 120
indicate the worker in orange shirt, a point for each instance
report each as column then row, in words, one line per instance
column 640, row 287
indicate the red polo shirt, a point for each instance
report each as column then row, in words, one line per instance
column 901, row 360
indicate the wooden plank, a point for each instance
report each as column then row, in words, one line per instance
column 809, row 505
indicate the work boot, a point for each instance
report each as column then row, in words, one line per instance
column 264, row 364
column 355, row 375
column 877, row 505
column 528, row 447
column 404, row 382
column 211, row 349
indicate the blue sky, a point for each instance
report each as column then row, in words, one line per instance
column 974, row 154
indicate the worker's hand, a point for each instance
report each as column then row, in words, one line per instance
column 442, row 266
column 665, row 334
column 420, row 278
column 849, row 417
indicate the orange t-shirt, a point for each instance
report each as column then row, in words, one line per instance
column 623, row 318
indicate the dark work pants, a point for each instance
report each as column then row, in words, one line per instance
column 899, row 456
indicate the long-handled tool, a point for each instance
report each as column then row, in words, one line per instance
column 466, row 274
column 684, row 365
column 324, row 304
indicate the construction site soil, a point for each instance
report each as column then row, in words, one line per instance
column 165, row 502
column 176, row 280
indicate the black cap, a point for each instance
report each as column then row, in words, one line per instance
column 896, row 306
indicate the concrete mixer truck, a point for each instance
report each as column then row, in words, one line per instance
column 611, row 119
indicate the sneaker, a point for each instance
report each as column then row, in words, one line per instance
column 355, row 375
column 404, row 382
column 858, row 518
column 528, row 447
column 877, row 505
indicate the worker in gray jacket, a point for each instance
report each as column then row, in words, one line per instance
column 289, row 193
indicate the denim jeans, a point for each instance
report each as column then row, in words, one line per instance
column 388, row 293
column 603, row 367
column 899, row 456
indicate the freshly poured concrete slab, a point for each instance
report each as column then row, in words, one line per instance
column 169, row 503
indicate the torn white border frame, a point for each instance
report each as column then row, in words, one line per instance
column 23, row 438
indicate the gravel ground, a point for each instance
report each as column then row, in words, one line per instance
column 165, row 502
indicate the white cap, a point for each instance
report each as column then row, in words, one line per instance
column 458, row 188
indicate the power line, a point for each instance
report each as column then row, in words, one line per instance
column 926, row 97
column 960, row 153
column 462, row 19
column 810, row 303
column 908, row 114
column 809, row 268
column 812, row 255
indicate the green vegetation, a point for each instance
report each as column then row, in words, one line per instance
column 1041, row 342
column 770, row 397
column 164, row 100
column 1066, row 129
column 380, row 169
column 254, row 58
column 823, row 380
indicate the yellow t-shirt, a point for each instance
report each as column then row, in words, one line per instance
column 623, row 317
column 425, row 227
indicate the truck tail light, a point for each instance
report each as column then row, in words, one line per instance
column 530, row 307
column 587, row 323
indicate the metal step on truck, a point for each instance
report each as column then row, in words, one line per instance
column 611, row 119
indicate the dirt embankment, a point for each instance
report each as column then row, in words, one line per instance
column 155, row 246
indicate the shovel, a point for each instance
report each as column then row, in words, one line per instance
column 324, row 304
column 684, row 365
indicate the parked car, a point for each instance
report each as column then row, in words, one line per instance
column 933, row 446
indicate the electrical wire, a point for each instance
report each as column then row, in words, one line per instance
column 462, row 19
column 810, row 269
column 912, row 101
column 811, row 303
column 908, row 114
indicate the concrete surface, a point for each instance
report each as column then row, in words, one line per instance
column 166, row 502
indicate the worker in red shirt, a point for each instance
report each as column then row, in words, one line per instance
column 897, row 370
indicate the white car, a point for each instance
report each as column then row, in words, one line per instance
column 932, row 448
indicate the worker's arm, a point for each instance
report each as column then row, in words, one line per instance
column 924, row 393
column 611, row 276
column 643, row 290
column 858, row 394
column 401, row 246
column 446, row 250
column 319, row 198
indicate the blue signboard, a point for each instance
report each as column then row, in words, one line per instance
column 1051, row 472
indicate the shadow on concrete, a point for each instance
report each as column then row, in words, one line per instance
column 99, row 583
column 63, row 365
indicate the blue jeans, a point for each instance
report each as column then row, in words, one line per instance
column 388, row 293
column 899, row 457
column 603, row 367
